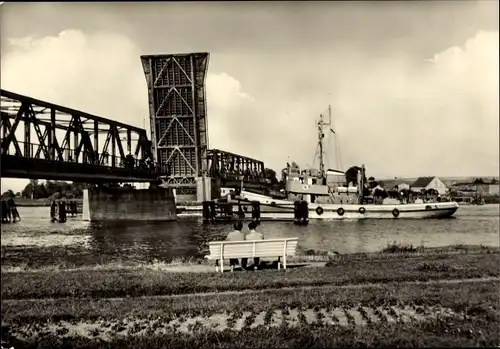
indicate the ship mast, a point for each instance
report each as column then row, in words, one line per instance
column 321, row 135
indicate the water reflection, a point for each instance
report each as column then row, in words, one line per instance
column 35, row 235
column 157, row 240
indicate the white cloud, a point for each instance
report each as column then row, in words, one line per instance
column 398, row 116
column 101, row 73
column 439, row 118
column 96, row 73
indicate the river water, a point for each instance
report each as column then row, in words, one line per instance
column 36, row 241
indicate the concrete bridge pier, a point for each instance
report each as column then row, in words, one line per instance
column 207, row 188
column 129, row 204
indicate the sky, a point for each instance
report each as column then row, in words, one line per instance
column 413, row 86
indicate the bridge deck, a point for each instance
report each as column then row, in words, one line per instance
column 20, row 167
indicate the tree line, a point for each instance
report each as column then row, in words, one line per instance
column 36, row 190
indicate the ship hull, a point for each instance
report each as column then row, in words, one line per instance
column 284, row 209
column 430, row 210
column 271, row 209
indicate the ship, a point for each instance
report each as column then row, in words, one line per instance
column 335, row 199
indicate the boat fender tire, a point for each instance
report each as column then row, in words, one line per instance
column 362, row 210
column 340, row 211
column 319, row 210
column 395, row 213
column 273, row 204
column 428, row 207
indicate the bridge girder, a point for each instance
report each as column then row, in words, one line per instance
column 230, row 166
column 39, row 130
column 176, row 86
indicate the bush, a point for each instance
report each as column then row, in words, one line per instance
column 401, row 248
column 437, row 267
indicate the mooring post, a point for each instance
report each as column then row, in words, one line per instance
column 206, row 210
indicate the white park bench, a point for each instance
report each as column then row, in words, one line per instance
column 281, row 248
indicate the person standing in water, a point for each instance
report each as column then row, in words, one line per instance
column 254, row 235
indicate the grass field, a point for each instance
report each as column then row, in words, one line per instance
column 404, row 298
column 150, row 282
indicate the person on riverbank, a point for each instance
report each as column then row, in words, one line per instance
column 254, row 235
column 237, row 235
column 5, row 212
column 12, row 210
column 53, row 211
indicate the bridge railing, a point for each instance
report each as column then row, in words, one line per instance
column 105, row 160
column 233, row 167
column 40, row 133
column 253, row 177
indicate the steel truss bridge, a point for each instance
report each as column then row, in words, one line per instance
column 45, row 140
column 48, row 141
column 233, row 169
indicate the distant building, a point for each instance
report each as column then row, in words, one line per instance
column 427, row 183
column 487, row 187
column 493, row 189
column 403, row 186
column 465, row 186
column 395, row 184
column 479, row 186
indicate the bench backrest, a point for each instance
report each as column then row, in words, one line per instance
column 254, row 248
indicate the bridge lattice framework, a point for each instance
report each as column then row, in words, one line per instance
column 45, row 140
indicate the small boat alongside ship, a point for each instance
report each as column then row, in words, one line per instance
column 310, row 196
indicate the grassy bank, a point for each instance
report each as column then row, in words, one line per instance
column 439, row 333
column 405, row 296
column 460, row 297
column 55, row 258
column 340, row 270
column 468, row 314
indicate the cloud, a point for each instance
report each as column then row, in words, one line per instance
column 96, row 73
column 101, row 73
column 398, row 115
column 438, row 117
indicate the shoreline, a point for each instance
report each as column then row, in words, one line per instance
column 404, row 296
column 188, row 277
column 200, row 264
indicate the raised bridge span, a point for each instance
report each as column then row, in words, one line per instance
column 44, row 140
